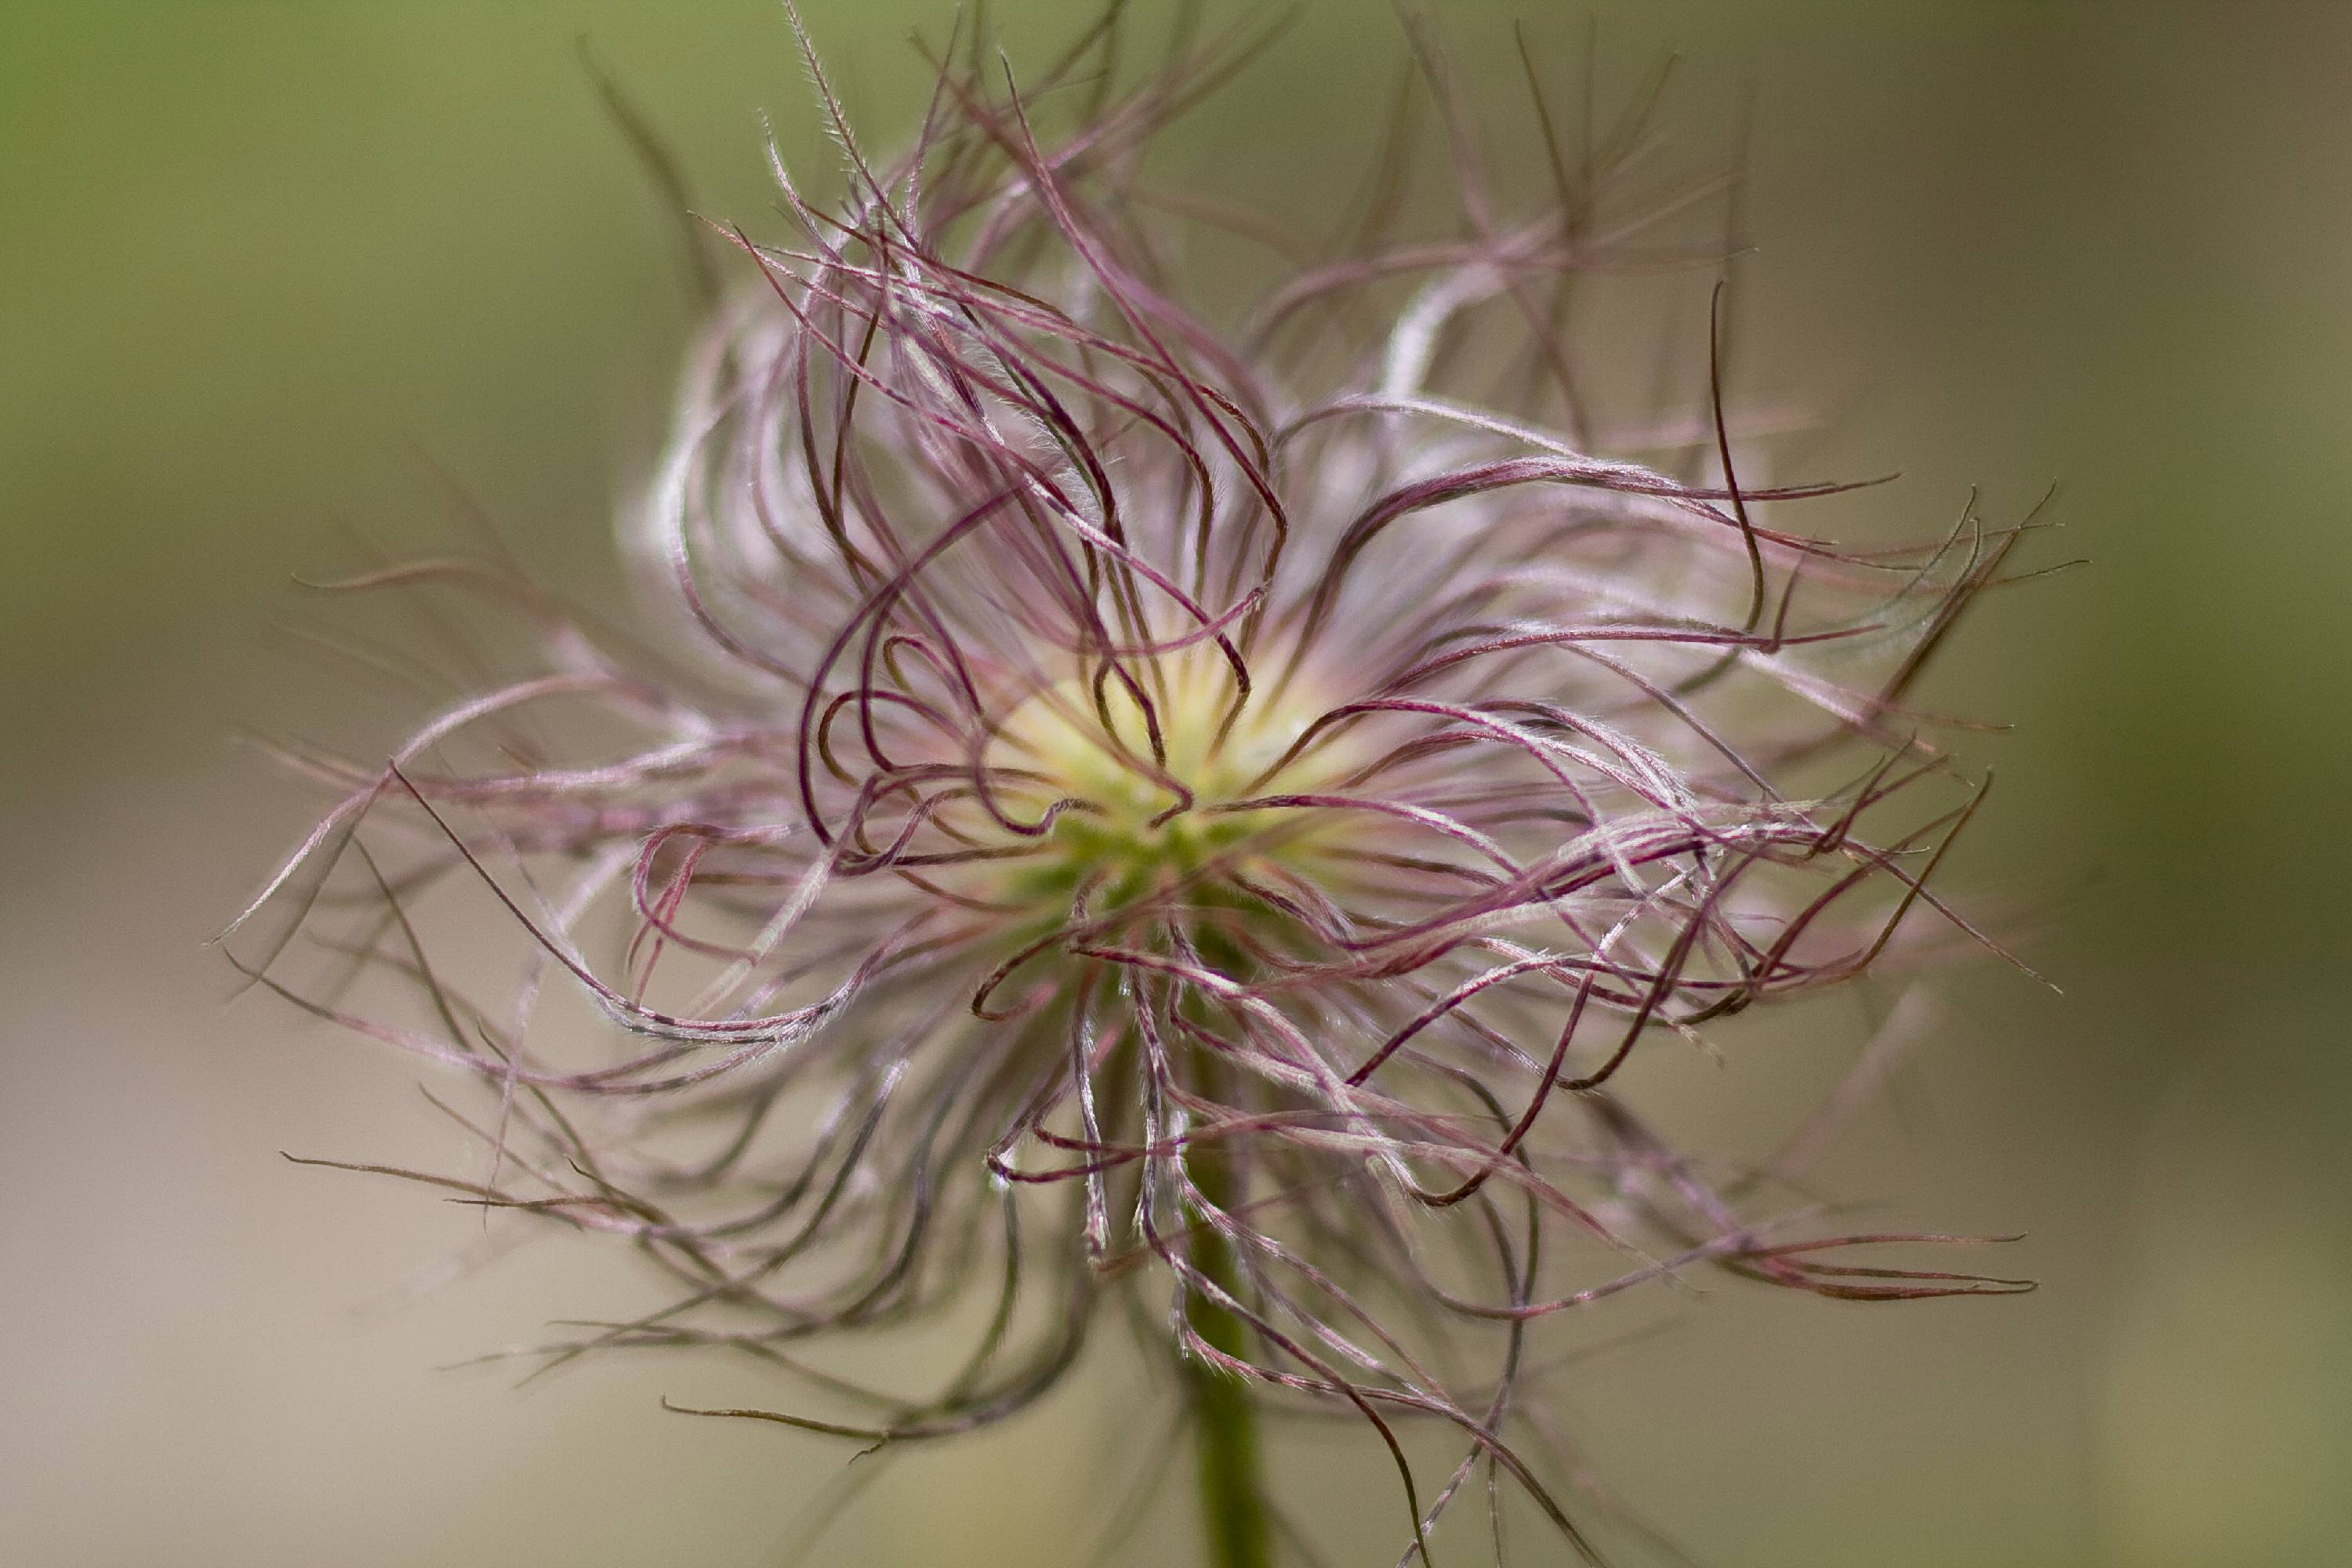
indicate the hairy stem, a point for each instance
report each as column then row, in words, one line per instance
column 1224, row 1421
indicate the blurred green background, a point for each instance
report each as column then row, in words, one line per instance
column 257, row 256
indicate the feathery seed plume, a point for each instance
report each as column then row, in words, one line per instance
column 1109, row 803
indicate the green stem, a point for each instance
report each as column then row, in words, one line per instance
column 1234, row 1509
column 1225, row 1419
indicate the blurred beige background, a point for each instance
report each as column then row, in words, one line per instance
column 256, row 255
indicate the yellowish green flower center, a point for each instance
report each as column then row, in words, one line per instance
column 1146, row 814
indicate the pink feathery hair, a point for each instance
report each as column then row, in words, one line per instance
column 1107, row 804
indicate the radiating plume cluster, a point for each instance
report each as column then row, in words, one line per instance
column 1104, row 800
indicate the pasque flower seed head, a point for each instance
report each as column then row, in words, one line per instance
column 1103, row 801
